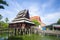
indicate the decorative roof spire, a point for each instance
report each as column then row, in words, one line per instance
column 22, row 14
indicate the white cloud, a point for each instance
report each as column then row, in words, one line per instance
column 47, row 4
column 51, row 18
column 35, row 9
column 15, row 7
column 11, row 11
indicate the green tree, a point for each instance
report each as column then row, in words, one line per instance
column 0, row 20
column 4, row 3
column 58, row 22
column 5, row 25
column 2, row 23
column 0, row 17
column 6, row 19
column 36, row 22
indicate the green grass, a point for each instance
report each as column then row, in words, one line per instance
column 50, row 38
column 29, row 37
column 33, row 37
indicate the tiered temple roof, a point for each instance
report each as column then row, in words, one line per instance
column 22, row 16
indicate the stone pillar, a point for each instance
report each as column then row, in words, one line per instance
column 22, row 28
column 53, row 28
column 18, row 31
column 25, row 30
column 15, row 31
column 29, row 31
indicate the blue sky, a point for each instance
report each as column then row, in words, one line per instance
column 48, row 10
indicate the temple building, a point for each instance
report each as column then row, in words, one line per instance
column 22, row 21
column 42, row 25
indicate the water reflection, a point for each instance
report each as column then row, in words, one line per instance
column 2, row 38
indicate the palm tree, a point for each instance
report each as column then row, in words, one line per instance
column 4, row 3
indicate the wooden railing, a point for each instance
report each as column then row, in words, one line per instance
column 49, row 32
column 44, row 32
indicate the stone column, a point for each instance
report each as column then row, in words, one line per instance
column 15, row 31
column 23, row 27
column 53, row 28
column 29, row 31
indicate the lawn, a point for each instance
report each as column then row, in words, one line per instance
column 33, row 37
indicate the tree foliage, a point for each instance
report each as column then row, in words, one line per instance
column 58, row 22
column 2, row 23
column 6, row 20
column 0, row 17
column 36, row 22
column 4, row 3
